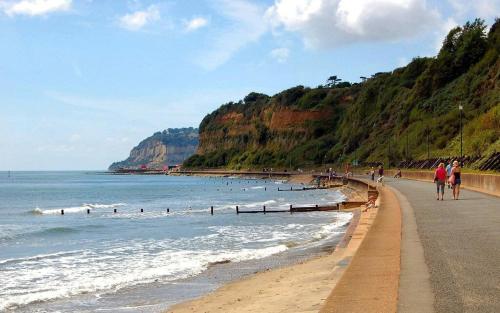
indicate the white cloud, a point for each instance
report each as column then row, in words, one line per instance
column 196, row 23
column 481, row 8
column 35, row 7
column 332, row 23
column 280, row 54
column 247, row 25
column 139, row 19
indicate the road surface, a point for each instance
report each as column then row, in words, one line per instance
column 459, row 269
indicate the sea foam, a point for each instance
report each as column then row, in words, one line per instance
column 77, row 209
column 68, row 274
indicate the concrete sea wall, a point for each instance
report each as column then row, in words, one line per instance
column 487, row 183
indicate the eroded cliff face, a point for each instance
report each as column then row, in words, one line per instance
column 169, row 147
column 262, row 127
column 282, row 129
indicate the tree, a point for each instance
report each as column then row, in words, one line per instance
column 332, row 81
column 462, row 47
column 494, row 35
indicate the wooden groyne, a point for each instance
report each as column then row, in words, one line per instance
column 328, row 182
column 310, row 188
column 302, row 189
column 291, row 209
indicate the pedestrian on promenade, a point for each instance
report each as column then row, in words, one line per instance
column 380, row 178
column 439, row 179
column 448, row 173
column 347, row 169
column 372, row 174
column 455, row 179
column 398, row 174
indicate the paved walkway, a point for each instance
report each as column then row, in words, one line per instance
column 461, row 248
column 370, row 283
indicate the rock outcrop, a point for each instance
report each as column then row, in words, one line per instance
column 169, row 147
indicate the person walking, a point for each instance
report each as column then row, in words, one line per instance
column 348, row 170
column 440, row 179
column 398, row 174
column 380, row 178
column 448, row 173
column 372, row 174
column 455, row 179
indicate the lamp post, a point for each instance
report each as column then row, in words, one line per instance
column 461, row 108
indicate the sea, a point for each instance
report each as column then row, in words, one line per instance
column 140, row 243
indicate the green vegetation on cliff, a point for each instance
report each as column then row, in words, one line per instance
column 403, row 114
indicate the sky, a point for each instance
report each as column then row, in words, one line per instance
column 84, row 81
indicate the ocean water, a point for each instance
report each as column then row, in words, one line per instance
column 106, row 261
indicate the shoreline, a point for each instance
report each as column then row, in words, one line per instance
column 153, row 297
column 300, row 287
column 219, row 275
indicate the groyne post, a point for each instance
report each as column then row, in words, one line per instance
column 168, row 210
column 62, row 212
column 264, row 209
column 88, row 211
column 142, row 210
column 212, row 210
column 291, row 211
column 114, row 210
column 237, row 210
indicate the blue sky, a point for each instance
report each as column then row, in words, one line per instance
column 83, row 81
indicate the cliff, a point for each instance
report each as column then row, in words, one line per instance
column 172, row 146
column 388, row 117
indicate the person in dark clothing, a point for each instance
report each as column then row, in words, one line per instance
column 380, row 178
column 398, row 174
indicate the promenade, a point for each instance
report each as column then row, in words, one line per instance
column 450, row 250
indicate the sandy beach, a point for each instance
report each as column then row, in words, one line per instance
column 303, row 287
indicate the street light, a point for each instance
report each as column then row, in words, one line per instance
column 461, row 108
